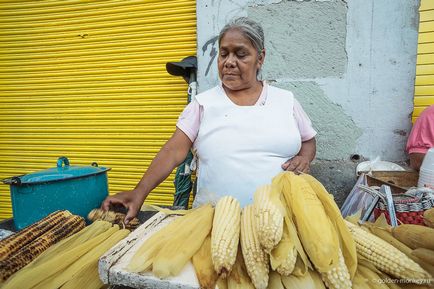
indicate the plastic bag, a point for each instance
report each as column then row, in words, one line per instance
column 357, row 200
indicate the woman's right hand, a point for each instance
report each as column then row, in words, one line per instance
column 131, row 200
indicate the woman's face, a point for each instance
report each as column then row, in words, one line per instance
column 238, row 61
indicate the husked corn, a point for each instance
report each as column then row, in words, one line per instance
column 269, row 216
column 225, row 235
column 384, row 256
column 255, row 258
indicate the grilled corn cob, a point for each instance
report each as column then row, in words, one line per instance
column 384, row 256
column 269, row 216
column 12, row 244
column 28, row 253
column 255, row 258
column 225, row 235
column 114, row 218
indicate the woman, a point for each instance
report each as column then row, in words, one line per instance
column 243, row 132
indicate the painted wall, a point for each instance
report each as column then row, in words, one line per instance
column 351, row 64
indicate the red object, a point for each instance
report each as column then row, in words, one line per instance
column 415, row 218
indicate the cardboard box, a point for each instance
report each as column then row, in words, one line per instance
column 399, row 181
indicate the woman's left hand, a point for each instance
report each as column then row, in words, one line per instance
column 298, row 164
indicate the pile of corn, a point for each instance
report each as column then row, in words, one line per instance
column 292, row 236
column 70, row 263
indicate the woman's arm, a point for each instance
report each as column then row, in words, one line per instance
column 301, row 162
column 170, row 156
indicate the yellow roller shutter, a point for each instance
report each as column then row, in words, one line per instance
column 87, row 79
column 424, row 89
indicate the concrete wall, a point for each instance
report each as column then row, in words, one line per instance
column 351, row 64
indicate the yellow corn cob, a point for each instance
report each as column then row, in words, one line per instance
column 384, row 256
column 28, row 253
column 225, row 235
column 144, row 256
column 87, row 277
column 255, row 258
column 203, row 266
column 184, row 244
column 239, row 279
column 10, row 245
column 348, row 245
column 338, row 277
column 114, row 218
column 269, row 216
column 312, row 222
column 29, row 276
column 91, row 257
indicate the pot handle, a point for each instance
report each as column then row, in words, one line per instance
column 12, row 181
column 62, row 161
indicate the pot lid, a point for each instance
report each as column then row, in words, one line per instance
column 62, row 171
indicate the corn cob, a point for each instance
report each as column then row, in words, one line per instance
column 84, row 235
column 428, row 218
column 114, row 218
column 225, row 235
column 10, row 245
column 425, row 254
column 239, row 279
column 284, row 256
column 312, row 221
column 203, row 266
column 87, row 277
column 28, row 253
column 414, row 236
column 30, row 275
column 384, row 256
column 255, row 258
column 269, row 216
column 338, row 277
column 348, row 245
column 89, row 259
column 184, row 244
column 145, row 255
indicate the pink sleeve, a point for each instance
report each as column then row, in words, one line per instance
column 304, row 124
column 189, row 120
column 421, row 137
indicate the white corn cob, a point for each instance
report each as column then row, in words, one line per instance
column 338, row 277
column 269, row 217
column 255, row 258
column 225, row 235
column 384, row 256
